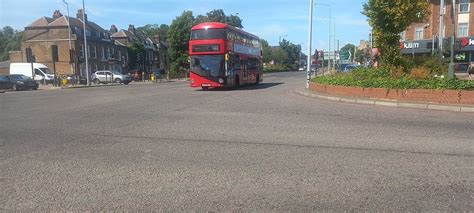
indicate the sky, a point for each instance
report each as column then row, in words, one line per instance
column 270, row 20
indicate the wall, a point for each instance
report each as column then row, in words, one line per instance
column 417, row 95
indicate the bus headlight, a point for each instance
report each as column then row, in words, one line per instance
column 221, row 80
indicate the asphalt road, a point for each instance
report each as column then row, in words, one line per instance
column 170, row 147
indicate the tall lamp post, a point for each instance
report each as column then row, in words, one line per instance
column 310, row 35
column 329, row 34
column 69, row 33
column 451, row 61
column 85, row 43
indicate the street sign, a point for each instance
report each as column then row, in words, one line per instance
column 344, row 56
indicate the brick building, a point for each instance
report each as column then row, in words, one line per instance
column 103, row 52
column 155, row 50
column 422, row 38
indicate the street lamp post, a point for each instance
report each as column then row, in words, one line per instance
column 85, row 43
column 310, row 34
column 451, row 61
column 69, row 32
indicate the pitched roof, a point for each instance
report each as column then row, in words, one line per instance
column 119, row 43
column 63, row 22
column 41, row 22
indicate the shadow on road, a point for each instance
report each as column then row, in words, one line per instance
column 246, row 87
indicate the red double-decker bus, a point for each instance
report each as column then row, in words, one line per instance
column 224, row 56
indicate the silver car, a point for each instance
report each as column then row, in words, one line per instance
column 106, row 76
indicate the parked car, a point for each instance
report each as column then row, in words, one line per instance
column 349, row 68
column 17, row 82
column 41, row 71
column 106, row 76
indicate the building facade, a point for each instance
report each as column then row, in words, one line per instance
column 103, row 52
column 423, row 38
column 154, row 55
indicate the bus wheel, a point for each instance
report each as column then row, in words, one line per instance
column 237, row 81
column 258, row 79
column 205, row 88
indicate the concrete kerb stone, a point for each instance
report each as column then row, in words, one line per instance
column 386, row 104
column 413, row 106
column 467, row 109
column 366, row 102
column 445, row 108
column 392, row 104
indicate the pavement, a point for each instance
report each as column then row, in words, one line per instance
column 168, row 147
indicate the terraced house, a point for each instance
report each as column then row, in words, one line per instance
column 154, row 55
column 103, row 52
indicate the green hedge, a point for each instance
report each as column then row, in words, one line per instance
column 380, row 78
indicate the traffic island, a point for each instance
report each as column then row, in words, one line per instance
column 428, row 99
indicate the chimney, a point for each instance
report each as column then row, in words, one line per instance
column 79, row 14
column 113, row 29
column 131, row 28
column 57, row 14
column 157, row 38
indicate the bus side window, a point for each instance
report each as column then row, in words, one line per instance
column 236, row 62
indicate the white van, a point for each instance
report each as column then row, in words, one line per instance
column 41, row 71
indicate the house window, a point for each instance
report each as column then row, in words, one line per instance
column 113, row 52
column 81, row 50
column 120, row 55
column 102, row 53
column 94, row 52
column 107, row 53
column 419, row 33
column 464, row 6
column 462, row 29
column 402, row 36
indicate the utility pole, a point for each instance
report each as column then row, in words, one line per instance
column 329, row 51
column 442, row 12
column 310, row 35
column 69, row 33
column 334, row 43
column 451, row 61
column 85, row 43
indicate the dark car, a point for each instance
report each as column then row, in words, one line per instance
column 17, row 82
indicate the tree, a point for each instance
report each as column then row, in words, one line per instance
column 220, row 16
column 280, row 56
column 151, row 30
column 348, row 49
column 217, row 16
column 388, row 18
column 135, row 50
column 293, row 51
column 178, row 39
column 235, row 21
column 201, row 19
column 267, row 51
column 10, row 40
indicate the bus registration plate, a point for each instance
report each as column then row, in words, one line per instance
column 205, row 85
